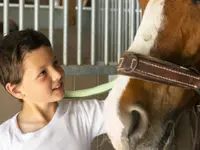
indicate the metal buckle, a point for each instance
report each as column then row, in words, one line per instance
column 132, row 68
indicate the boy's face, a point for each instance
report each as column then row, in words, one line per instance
column 42, row 81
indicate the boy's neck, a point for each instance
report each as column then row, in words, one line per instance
column 38, row 112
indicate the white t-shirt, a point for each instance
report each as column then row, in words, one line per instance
column 73, row 127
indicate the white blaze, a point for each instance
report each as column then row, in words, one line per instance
column 149, row 27
column 113, row 125
column 143, row 42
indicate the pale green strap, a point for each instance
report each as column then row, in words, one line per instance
column 90, row 91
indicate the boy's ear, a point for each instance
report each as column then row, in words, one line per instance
column 13, row 90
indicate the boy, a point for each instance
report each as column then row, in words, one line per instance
column 30, row 72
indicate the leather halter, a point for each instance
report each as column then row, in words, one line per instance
column 159, row 71
column 156, row 70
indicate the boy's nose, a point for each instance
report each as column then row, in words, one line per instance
column 56, row 75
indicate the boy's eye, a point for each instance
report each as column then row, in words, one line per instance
column 42, row 73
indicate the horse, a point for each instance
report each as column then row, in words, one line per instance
column 147, row 114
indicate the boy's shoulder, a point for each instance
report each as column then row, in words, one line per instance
column 6, row 134
column 5, row 127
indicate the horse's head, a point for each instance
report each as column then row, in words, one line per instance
column 136, row 110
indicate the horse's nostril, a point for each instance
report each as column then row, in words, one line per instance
column 135, row 122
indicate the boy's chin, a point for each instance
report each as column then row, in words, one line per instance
column 60, row 97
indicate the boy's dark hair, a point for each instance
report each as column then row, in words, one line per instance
column 13, row 48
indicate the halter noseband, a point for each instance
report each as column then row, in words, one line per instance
column 156, row 70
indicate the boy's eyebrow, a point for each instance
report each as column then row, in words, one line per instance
column 43, row 66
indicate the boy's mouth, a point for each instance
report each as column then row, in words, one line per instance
column 60, row 85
